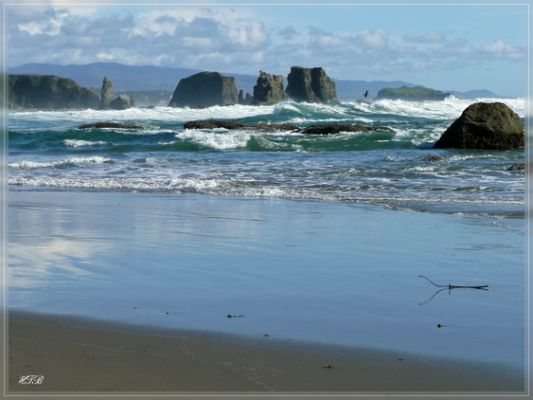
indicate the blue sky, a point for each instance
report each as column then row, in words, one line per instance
column 445, row 47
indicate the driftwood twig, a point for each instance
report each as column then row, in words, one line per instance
column 449, row 287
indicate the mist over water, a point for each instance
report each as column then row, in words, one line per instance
column 388, row 168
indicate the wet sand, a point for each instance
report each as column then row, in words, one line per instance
column 83, row 355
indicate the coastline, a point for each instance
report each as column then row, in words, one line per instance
column 82, row 355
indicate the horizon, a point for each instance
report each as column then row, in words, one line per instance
column 480, row 47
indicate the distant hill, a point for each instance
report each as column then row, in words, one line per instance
column 416, row 93
column 150, row 78
column 474, row 94
column 48, row 92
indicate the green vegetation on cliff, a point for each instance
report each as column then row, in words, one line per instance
column 48, row 92
column 412, row 93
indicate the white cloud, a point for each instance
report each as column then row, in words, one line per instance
column 373, row 39
column 227, row 40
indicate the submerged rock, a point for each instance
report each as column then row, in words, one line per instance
column 205, row 89
column 485, row 126
column 107, row 124
column 268, row 89
column 326, row 129
column 311, row 84
column 213, row 123
column 266, row 127
column 433, row 157
column 517, row 167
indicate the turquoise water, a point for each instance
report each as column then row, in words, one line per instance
column 388, row 168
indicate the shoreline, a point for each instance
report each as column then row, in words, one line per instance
column 83, row 355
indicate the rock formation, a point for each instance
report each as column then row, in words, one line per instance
column 485, row 126
column 311, row 85
column 320, row 129
column 327, row 129
column 107, row 100
column 245, row 99
column 106, row 93
column 205, row 89
column 48, row 92
column 121, row 102
column 109, row 124
column 268, row 89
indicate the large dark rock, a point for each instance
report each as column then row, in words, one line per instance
column 311, row 85
column 268, row 89
column 106, row 93
column 205, row 89
column 485, row 126
column 48, row 92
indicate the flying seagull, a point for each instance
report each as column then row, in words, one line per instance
column 366, row 94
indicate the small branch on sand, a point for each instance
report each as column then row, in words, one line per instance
column 449, row 287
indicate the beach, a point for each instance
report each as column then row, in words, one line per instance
column 81, row 355
column 261, row 293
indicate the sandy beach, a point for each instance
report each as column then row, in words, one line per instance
column 82, row 355
column 131, row 292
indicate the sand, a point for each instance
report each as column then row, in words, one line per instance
column 83, row 355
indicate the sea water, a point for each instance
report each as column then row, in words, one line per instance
column 316, row 238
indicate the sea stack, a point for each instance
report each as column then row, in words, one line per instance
column 312, row 85
column 268, row 89
column 205, row 89
column 485, row 126
column 106, row 93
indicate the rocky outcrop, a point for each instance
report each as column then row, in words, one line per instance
column 485, row 126
column 327, row 129
column 213, row 123
column 106, row 93
column 268, row 89
column 517, row 167
column 245, row 99
column 108, row 124
column 311, row 85
column 321, row 129
column 205, row 89
column 107, row 100
column 48, row 92
column 121, row 103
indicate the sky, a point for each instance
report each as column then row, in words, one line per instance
column 449, row 47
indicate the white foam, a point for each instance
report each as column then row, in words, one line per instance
column 219, row 140
column 82, row 143
column 28, row 164
column 450, row 108
column 145, row 114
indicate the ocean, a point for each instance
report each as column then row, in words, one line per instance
column 46, row 150
column 308, row 238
